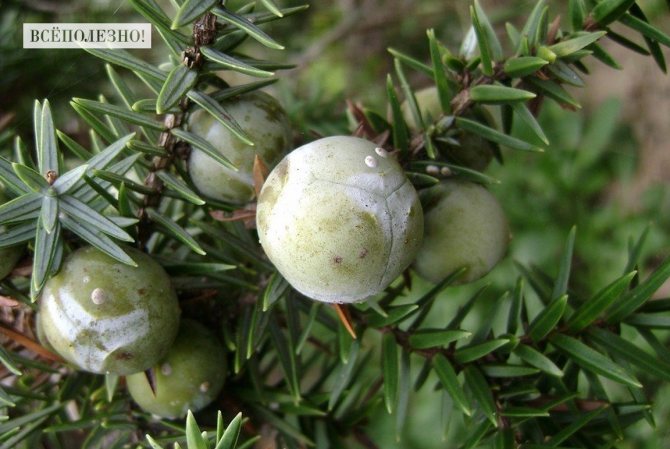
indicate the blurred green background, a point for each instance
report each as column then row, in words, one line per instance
column 606, row 170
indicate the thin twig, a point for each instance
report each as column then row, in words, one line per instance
column 30, row 344
column 364, row 439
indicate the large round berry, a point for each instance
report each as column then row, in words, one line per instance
column 190, row 377
column 339, row 219
column 104, row 316
column 465, row 226
column 264, row 121
column 8, row 255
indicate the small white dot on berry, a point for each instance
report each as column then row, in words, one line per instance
column 98, row 296
column 381, row 152
column 432, row 170
column 166, row 369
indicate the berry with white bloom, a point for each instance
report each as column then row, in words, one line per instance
column 339, row 219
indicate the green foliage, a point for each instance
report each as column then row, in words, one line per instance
column 533, row 360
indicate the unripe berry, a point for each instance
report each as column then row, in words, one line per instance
column 266, row 124
column 473, row 151
column 428, row 101
column 190, row 377
column 465, row 226
column 104, row 316
column 339, row 219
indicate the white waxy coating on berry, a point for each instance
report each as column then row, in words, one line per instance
column 68, row 318
column 336, row 229
column 204, row 387
column 122, row 320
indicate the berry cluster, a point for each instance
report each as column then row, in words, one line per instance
column 337, row 217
